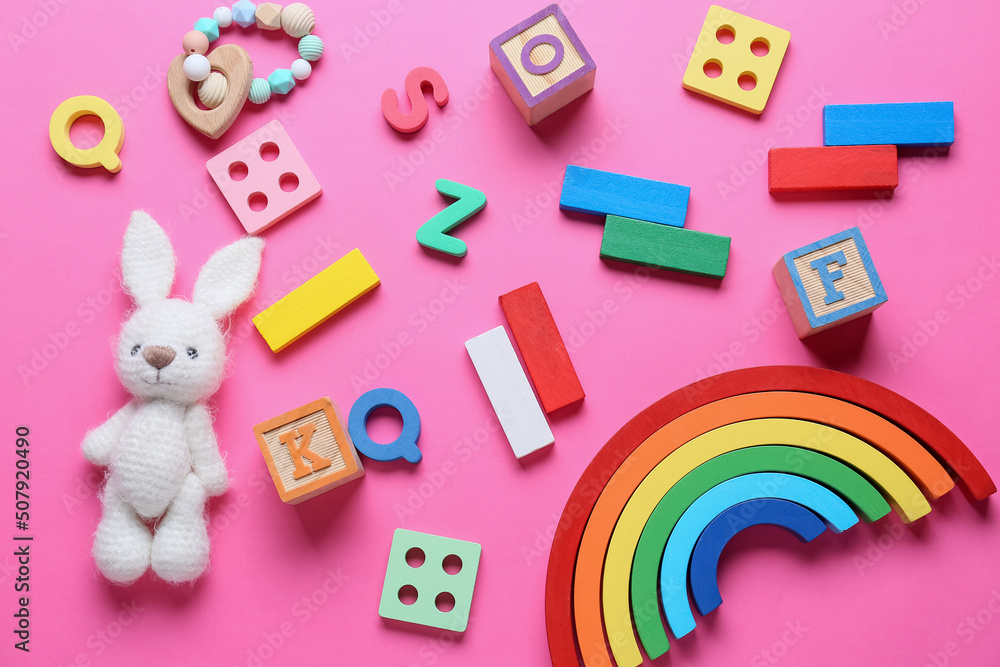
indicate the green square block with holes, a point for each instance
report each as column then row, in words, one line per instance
column 437, row 567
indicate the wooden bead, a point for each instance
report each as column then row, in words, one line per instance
column 268, row 16
column 195, row 41
column 298, row 20
column 212, row 91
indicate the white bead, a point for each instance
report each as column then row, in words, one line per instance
column 223, row 16
column 301, row 69
column 197, row 67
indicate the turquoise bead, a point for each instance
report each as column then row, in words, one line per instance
column 244, row 13
column 310, row 48
column 260, row 91
column 208, row 26
column 281, row 81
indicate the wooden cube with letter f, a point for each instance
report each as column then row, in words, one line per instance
column 829, row 282
column 308, row 451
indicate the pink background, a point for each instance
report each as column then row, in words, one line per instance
column 875, row 595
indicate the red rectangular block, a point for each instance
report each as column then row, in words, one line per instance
column 832, row 168
column 542, row 347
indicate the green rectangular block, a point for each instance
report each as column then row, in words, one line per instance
column 665, row 247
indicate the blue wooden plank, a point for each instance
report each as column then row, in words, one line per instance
column 903, row 124
column 607, row 193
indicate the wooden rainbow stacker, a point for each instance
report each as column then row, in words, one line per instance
column 683, row 470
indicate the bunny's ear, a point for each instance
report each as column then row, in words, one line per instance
column 147, row 260
column 229, row 276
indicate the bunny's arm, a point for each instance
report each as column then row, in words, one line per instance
column 99, row 442
column 205, row 457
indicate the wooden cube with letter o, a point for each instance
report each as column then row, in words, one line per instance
column 308, row 451
column 829, row 282
column 542, row 64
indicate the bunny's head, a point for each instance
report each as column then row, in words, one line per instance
column 170, row 348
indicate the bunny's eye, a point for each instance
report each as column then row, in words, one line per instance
column 135, row 349
column 192, row 353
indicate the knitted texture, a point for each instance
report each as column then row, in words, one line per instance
column 160, row 449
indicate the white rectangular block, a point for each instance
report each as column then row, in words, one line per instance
column 507, row 386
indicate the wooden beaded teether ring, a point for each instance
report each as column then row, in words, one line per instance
column 225, row 76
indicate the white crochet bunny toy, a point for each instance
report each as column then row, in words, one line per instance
column 160, row 450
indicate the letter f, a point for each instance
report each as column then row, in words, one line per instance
column 827, row 277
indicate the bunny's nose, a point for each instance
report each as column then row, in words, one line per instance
column 158, row 356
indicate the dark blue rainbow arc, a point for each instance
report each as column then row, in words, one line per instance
column 796, row 519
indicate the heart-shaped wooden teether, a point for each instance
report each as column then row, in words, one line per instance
column 234, row 63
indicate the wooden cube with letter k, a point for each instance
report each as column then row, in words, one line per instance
column 829, row 282
column 308, row 451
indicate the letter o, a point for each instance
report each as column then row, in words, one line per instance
column 553, row 63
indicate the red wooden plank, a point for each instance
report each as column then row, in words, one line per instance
column 542, row 347
column 832, row 168
column 972, row 478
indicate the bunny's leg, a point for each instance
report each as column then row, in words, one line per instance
column 180, row 545
column 122, row 542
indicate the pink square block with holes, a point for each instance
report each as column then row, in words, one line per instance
column 263, row 177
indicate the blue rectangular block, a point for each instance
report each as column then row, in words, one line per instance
column 606, row 193
column 905, row 124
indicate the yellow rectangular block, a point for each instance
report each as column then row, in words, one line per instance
column 310, row 304
column 733, row 48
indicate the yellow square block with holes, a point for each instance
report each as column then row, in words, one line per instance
column 746, row 51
